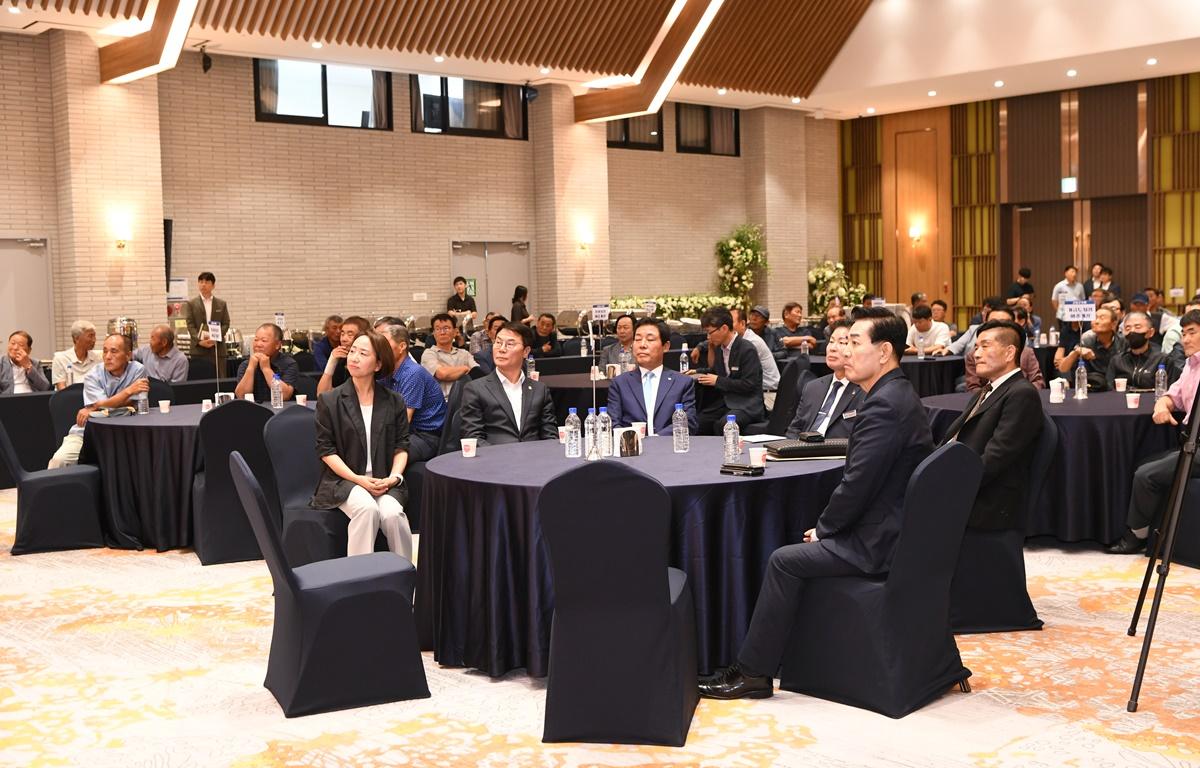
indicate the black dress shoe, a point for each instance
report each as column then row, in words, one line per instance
column 1127, row 545
column 731, row 683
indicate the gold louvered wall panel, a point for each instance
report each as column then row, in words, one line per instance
column 1174, row 127
column 974, row 197
column 862, row 201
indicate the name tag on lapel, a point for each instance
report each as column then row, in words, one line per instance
column 849, row 414
column 734, row 369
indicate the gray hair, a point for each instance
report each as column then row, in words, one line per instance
column 167, row 332
column 397, row 333
column 1136, row 316
column 80, row 327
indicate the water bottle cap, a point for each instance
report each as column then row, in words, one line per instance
column 570, row 411
column 731, row 418
column 603, row 409
column 591, row 411
column 277, row 375
column 684, row 346
column 1162, row 366
column 679, row 406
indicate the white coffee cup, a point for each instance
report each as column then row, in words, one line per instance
column 1120, row 384
column 562, row 434
column 301, row 399
column 1042, row 340
column 164, row 406
column 535, row 375
column 248, row 397
column 640, row 426
column 1133, row 399
column 205, row 405
column 758, row 456
column 469, row 446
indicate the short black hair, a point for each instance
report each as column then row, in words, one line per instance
column 1190, row 318
column 388, row 320
column 547, row 314
column 922, row 312
column 358, row 321
column 522, row 330
column 1069, row 267
column 1014, row 332
column 994, row 302
column 493, row 321
column 632, row 320
column 274, row 329
column 664, row 330
column 1025, row 272
column 1006, row 310
column 856, row 313
column 940, row 303
column 1106, row 270
column 458, row 279
column 209, row 276
column 885, row 326
column 917, row 297
column 441, row 317
column 843, row 323
column 715, row 317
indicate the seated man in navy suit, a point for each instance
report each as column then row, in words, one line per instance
column 857, row 532
column 651, row 388
column 728, row 377
column 829, row 404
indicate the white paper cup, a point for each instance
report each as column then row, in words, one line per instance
column 301, row 399
column 164, row 406
column 1120, row 384
column 596, row 373
column 640, row 426
column 1133, row 399
column 562, row 434
column 1042, row 340
column 758, row 456
column 469, row 445
column 248, row 397
column 535, row 375
column 205, row 405
column 612, row 371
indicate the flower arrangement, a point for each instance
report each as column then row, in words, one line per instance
column 828, row 281
column 676, row 307
column 738, row 256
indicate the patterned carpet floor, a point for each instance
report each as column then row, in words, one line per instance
column 112, row 658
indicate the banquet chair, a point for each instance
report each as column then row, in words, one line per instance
column 883, row 643
column 571, row 345
column 1187, row 535
column 787, row 398
column 160, row 390
column 305, row 362
column 64, row 407
column 306, row 385
column 56, row 508
column 620, row 613
column 452, row 426
column 988, row 593
column 344, row 634
column 221, row 532
column 567, row 322
column 201, row 369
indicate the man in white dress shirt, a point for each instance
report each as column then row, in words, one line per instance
column 828, row 404
column 769, row 367
column 71, row 365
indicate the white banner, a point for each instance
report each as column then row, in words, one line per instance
column 600, row 313
column 1079, row 311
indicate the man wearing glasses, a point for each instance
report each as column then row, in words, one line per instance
column 446, row 362
column 729, row 379
column 506, row 407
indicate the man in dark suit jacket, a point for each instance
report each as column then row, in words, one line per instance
column 200, row 311
column 627, row 395
column 1001, row 423
column 504, row 406
column 829, row 404
column 729, row 376
column 857, row 532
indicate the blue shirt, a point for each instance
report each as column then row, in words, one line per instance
column 422, row 393
column 321, row 352
column 99, row 385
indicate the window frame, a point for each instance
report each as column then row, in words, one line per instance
column 414, row 86
column 627, row 144
column 707, row 148
column 274, row 117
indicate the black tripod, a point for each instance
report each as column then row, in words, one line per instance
column 1164, row 548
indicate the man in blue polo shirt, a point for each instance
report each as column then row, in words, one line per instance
column 422, row 394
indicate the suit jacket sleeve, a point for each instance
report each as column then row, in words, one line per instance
column 1014, row 433
column 616, row 408
column 688, row 398
column 471, row 412
column 400, row 422
column 193, row 324
column 548, row 430
column 37, row 379
column 326, row 440
column 875, row 448
column 749, row 376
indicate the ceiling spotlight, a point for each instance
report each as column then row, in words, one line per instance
column 544, row 70
column 722, row 91
column 931, row 93
column 438, row 59
column 795, row 99
column 1150, row 62
column 870, row 110
column 13, row 9
column 999, row 84
column 1071, row 73
column 653, row 133
column 318, row 46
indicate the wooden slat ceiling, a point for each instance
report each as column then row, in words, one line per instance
column 117, row 9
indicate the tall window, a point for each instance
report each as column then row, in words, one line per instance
column 467, row 107
column 706, row 130
column 641, row 132
column 322, row 94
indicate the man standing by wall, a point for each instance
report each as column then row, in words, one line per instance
column 202, row 310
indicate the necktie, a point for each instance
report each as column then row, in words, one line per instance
column 647, row 395
column 983, row 393
column 827, row 406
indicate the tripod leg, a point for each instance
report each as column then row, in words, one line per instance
column 1163, row 570
column 1141, row 600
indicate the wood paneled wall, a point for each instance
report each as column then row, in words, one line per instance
column 975, row 247
column 1120, row 240
column 1108, row 141
column 1034, row 148
column 1044, row 236
column 862, row 201
column 1174, row 125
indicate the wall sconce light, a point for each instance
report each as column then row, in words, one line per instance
column 120, row 224
column 584, row 235
column 914, row 233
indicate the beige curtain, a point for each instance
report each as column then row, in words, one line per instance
column 380, row 88
column 693, row 126
column 724, row 133
column 480, row 107
column 268, row 85
column 514, row 111
column 416, row 105
column 642, row 128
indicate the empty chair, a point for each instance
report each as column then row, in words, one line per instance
column 620, row 614
column 305, row 385
column 64, row 407
column 989, row 593
column 222, row 534
column 344, row 634
column 201, row 369
column 884, row 643
column 795, row 375
column 308, row 535
column 56, row 508
column 160, row 390
column 567, row 322
column 305, row 362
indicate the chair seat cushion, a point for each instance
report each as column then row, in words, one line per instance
column 359, row 568
column 85, row 472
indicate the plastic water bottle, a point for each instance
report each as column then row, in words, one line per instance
column 585, row 348
column 733, row 439
column 804, row 346
column 574, row 450
column 1080, row 381
column 920, row 346
column 143, row 403
column 625, row 360
column 1160, row 381
column 604, row 432
column 277, row 392
column 1052, row 339
column 683, row 359
column 680, row 437
column 590, row 448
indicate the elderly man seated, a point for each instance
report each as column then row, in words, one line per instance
column 110, row 385
column 422, row 396
column 770, row 369
column 335, row 373
column 71, row 365
column 20, row 373
column 1026, row 359
column 324, row 345
column 445, row 361
column 256, row 372
column 1139, row 361
column 545, row 340
column 161, row 358
column 926, row 334
column 792, row 336
column 1096, row 351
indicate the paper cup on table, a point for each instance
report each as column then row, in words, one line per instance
column 595, row 374
column 562, row 434
column 640, row 426
column 248, row 397
column 301, row 400
column 535, row 375
column 205, row 405
column 164, row 406
column 1133, row 399
column 758, row 456
column 1120, row 384
column 469, row 445
column 612, row 370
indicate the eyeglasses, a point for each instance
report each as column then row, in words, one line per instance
column 510, row 344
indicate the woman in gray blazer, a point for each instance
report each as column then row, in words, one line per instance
column 362, row 438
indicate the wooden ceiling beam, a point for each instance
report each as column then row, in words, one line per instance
column 154, row 50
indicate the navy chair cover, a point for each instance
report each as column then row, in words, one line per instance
column 56, row 508
column 452, row 426
column 989, row 593
column 160, row 390
column 306, row 385
column 1187, row 535
column 884, row 643
column 64, row 407
column 344, row 634
column 309, row 535
column 305, row 362
column 620, row 614
column 787, row 399
column 221, row 532
column 201, row 368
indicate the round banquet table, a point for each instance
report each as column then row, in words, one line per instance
column 935, row 375
column 1101, row 442
column 574, row 390
column 485, row 598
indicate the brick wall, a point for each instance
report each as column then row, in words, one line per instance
column 30, row 207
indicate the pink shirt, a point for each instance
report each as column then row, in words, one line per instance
column 1183, row 391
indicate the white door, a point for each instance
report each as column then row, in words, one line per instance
column 507, row 267
column 25, row 294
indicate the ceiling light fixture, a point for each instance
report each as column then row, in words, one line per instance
column 318, row 46
column 795, row 99
column 653, row 133
column 931, row 93
column 998, row 84
column 1072, row 73
column 544, row 70
column 438, row 59
column 1150, row 62
column 870, row 110
column 722, row 91
column 13, row 9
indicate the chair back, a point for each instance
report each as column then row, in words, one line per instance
column 160, row 390
column 235, row 426
column 452, row 425
column 12, row 461
column 571, row 346
column 305, row 361
column 1039, row 466
column 606, row 527
column 567, row 320
column 305, row 385
column 201, row 369
column 291, row 439
column 787, row 398
column 64, row 407
column 252, row 501
column 937, row 503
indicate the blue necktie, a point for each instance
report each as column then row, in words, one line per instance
column 647, row 381
column 830, row 399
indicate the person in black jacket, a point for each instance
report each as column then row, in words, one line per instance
column 857, row 531
column 362, row 440
column 825, row 402
column 505, row 406
column 1000, row 423
column 729, row 376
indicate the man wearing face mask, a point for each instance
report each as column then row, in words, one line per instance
column 1139, row 361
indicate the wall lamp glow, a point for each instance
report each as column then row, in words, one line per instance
column 120, row 224
column 914, row 233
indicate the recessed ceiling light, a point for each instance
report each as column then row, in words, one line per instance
column 795, row 99
column 870, row 110
column 999, row 84
column 544, row 70
column 318, row 45
column 13, row 9
column 1071, row 73
column 931, row 93
column 438, row 59
column 722, row 91
column 1150, row 62
column 653, row 133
